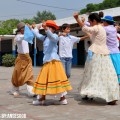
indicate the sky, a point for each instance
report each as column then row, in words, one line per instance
column 22, row 9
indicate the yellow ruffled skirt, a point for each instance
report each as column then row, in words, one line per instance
column 51, row 79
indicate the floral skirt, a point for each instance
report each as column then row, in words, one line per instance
column 116, row 62
column 100, row 79
column 51, row 79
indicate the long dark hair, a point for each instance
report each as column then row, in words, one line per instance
column 94, row 16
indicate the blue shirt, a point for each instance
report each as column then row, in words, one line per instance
column 50, row 47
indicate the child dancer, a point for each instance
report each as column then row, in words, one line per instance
column 96, row 81
column 66, row 42
column 52, row 78
column 23, row 73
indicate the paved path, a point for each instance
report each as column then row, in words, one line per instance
column 75, row 110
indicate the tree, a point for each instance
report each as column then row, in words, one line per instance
column 90, row 7
column 45, row 15
column 6, row 27
column 29, row 21
column 101, row 6
column 83, row 11
column 110, row 3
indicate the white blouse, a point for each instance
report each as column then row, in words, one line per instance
column 22, row 45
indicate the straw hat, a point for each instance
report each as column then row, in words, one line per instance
column 20, row 26
column 52, row 24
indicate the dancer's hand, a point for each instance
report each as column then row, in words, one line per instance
column 33, row 25
column 44, row 25
column 38, row 27
column 83, row 19
column 75, row 15
column 62, row 34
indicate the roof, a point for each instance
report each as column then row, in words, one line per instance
column 70, row 20
column 7, row 36
column 112, row 12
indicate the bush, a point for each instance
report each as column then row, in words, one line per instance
column 8, row 60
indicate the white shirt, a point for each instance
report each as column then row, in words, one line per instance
column 66, row 45
column 22, row 45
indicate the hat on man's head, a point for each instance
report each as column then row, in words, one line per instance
column 51, row 23
column 20, row 26
column 108, row 18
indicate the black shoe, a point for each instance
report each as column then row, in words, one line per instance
column 85, row 98
column 112, row 102
column 91, row 98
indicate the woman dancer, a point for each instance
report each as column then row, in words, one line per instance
column 52, row 79
column 96, row 81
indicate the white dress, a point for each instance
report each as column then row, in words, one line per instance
column 99, row 79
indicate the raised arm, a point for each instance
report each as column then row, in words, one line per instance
column 85, row 28
column 53, row 37
column 76, row 16
column 37, row 34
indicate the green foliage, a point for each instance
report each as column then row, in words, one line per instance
column 3, row 31
column 91, row 7
column 29, row 21
column 106, row 4
column 6, row 27
column 11, row 23
column 83, row 11
column 8, row 60
column 45, row 15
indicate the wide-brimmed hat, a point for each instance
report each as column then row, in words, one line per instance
column 20, row 26
column 108, row 18
column 52, row 24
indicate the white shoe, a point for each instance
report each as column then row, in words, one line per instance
column 29, row 89
column 16, row 94
column 64, row 102
column 37, row 102
column 14, row 91
column 38, row 97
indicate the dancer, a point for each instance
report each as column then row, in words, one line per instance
column 66, row 42
column 96, row 81
column 23, row 72
column 52, row 79
column 111, row 33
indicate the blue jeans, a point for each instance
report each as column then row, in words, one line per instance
column 67, row 63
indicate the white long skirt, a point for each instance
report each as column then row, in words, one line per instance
column 100, row 79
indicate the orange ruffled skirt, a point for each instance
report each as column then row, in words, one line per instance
column 51, row 79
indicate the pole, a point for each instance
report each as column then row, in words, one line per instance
column 13, row 47
column 35, row 51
